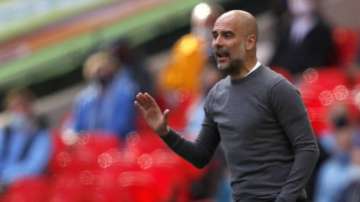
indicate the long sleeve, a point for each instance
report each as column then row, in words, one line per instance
column 291, row 114
column 200, row 151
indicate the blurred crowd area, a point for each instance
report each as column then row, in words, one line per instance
column 87, row 142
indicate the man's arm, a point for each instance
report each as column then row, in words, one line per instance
column 199, row 152
column 291, row 113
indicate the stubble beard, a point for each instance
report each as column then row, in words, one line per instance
column 232, row 68
column 235, row 65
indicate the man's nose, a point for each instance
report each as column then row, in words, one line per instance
column 217, row 42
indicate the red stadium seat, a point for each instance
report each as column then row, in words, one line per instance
column 86, row 154
column 321, row 88
column 67, row 188
column 61, row 156
column 347, row 45
column 28, row 190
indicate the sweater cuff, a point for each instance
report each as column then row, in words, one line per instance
column 171, row 138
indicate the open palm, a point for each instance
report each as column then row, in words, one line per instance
column 152, row 113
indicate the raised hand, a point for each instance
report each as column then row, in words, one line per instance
column 152, row 114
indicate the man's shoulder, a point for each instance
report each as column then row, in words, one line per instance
column 276, row 82
column 270, row 77
column 220, row 85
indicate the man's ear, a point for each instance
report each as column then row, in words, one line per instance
column 250, row 42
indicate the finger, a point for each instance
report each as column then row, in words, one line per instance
column 166, row 112
column 139, row 106
column 150, row 99
column 145, row 101
column 139, row 96
column 140, row 99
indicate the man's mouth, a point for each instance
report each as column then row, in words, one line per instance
column 222, row 52
column 222, row 56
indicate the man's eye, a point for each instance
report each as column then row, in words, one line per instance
column 215, row 35
column 228, row 35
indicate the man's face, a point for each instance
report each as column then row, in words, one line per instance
column 228, row 45
column 20, row 105
column 102, row 70
column 343, row 139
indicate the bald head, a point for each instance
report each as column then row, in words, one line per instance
column 234, row 42
column 243, row 21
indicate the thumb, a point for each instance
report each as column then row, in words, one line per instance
column 166, row 114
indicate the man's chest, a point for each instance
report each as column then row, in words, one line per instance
column 242, row 115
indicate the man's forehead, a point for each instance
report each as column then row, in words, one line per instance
column 225, row 23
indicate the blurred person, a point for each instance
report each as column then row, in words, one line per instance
column 334, row 173
column 105, row 105
column 305, row 40
column 190, row 53
column 256, row 114
column 25, row 144
column 132, row 60
column 338, row 117
column 351, row 193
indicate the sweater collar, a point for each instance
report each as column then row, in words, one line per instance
column 257, row 65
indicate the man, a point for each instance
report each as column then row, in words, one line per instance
column 110, row 94
column 334, row 174
column 256, row 114
column 351, row 193
column 305, row 40
column 25, row 144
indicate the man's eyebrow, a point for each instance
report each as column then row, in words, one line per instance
column 227, row 32
column 222, row 31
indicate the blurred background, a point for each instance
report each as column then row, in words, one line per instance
column 69, row 71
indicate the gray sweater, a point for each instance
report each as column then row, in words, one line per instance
column 264, row 130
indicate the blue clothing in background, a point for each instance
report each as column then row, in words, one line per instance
column 20, row 158
column 334, row 175
column 110, row 111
